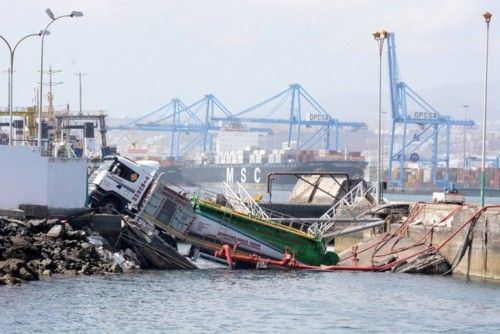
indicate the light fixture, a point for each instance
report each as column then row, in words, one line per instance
column 50, row 14
column 487, row 16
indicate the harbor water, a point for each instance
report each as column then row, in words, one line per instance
column 249, row 301
column 253, row 301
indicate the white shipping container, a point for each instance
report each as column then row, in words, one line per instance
column 427, row 175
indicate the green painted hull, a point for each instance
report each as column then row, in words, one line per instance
column 306, row 248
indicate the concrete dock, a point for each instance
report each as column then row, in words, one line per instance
column 451, row 229
column 482, row 259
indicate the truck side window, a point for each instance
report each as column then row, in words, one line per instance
column 125, row 173
column 133, row 176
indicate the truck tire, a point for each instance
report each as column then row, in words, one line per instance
column 112, row 205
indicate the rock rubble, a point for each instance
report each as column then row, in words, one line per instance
column 37, row 248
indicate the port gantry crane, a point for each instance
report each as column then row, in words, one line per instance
column 178, row 118
column 429, row 124
column 302, row 109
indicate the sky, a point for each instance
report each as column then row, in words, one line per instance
column 138, row 55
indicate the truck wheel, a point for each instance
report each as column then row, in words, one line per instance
column 111, row 205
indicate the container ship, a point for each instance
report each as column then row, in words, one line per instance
column 251, row 165
column 255, row 173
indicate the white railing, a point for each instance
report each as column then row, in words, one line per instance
column 349, row 199
column 233, row 199
column 252, row 204
column 348, row 207
column 242, row 201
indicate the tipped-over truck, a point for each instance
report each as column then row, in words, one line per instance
column 120, row 184
column 204, row 222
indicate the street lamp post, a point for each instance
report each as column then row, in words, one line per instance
column 379, row 38
column 53, row 19
column 487, row 18
column 12, row 51
column 383, row 147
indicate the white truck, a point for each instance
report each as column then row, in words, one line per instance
column 120, row 184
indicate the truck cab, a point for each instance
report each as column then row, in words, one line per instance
column 120, row 184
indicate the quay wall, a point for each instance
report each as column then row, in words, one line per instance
column 482, row 260
column 28, row 178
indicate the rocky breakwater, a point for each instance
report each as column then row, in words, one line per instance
column 33, row 249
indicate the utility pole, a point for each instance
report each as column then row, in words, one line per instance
column 79, row 74
column 50, row 96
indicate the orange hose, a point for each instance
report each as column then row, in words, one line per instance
column 288, row 261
